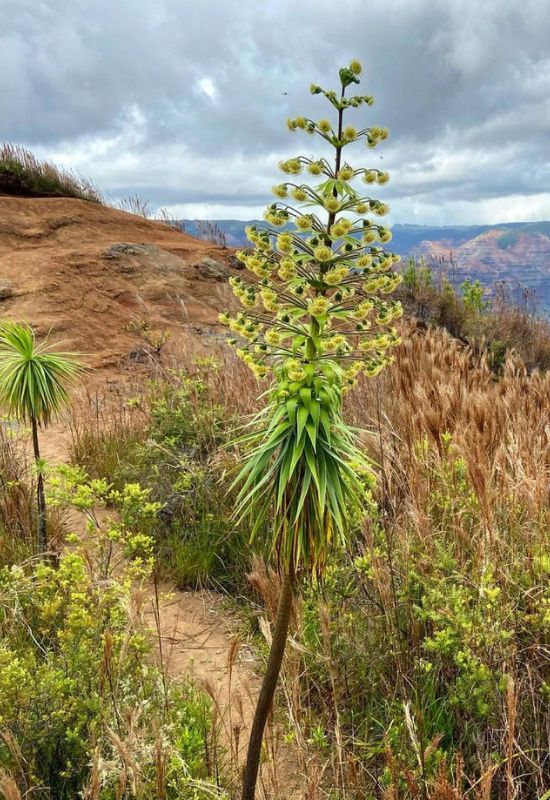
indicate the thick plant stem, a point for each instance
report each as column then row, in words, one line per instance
column 269, row 685
column 40, row 495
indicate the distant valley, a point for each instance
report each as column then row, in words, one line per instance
column 515, row 252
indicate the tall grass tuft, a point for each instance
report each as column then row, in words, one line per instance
column 23, row 174
column 17, row 500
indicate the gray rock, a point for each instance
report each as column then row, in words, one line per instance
column 210, row 268
column 6, row 289
column 130, row 256
column 235, row 263
column 120, row 249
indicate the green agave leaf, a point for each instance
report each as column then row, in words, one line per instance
column 297, row 453
column 311, row 462
column 305, row 394
column 301, row 419
column 291, row 409
column 311, row 430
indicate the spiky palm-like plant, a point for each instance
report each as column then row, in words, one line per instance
column 315, row 318
column 33, row 388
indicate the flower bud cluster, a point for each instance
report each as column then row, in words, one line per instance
column 315, row 312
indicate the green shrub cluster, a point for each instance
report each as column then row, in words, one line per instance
column 439, row 654
column 176, row 453
column 491, row 324
column 423, row 661
column 83, row 709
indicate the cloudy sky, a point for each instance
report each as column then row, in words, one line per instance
column 184, row 102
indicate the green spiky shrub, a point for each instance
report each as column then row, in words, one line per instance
column 34, row 385
column 317, row 316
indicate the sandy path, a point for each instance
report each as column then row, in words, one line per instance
column 197, row 637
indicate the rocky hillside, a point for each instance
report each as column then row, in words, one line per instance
column 518, row 253
column 87, row 272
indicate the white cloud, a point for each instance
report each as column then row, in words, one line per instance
column 206, row 85
column 185, row 102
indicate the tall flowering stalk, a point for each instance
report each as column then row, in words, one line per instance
column 316, row 316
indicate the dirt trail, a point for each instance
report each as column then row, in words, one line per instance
column 197, row 637
column 87, row 273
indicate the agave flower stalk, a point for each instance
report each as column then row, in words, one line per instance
column 317, row 313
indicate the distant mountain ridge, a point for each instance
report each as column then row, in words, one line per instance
column 515, row 252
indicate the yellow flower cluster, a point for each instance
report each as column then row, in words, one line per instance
column 269, row 300
column 303, row 222
column 346, row 173
column 243, row 326
column 349, row 134
column 382, row 283
column 300, row 194
column 337, row 343
column 375, row 176
column 245, row 293
column 378, row 208
column 284, row 243
column 287, row 269
column 341, row 227
column 258, row 238
column 335, row 276
column 363, row 309
column 292, row 166
column 375, row 366
column 276, row 216
column 318, row 307
column 364, row 261
column 376, row 135
column 367, row 345
column 294, row 370
column 354, row 369
column 260, row 370
column 315, row 168
column 323, row 253
column 272, row 336
column 332, row 204
column 257, row 265
column 388, row 312
column 281, row 190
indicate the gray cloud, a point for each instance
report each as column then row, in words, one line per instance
column 185, row 101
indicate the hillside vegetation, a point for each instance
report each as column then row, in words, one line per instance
column 418, row 670
column 24, row 175
column 421, row 668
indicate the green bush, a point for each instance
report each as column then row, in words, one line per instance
column 183, row 465
column 171, row 442
column 432, row 651
column 83, row 709
column 490, row 323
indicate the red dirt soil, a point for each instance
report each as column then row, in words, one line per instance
column 62, row 274
column 61, row 271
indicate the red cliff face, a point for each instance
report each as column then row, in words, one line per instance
column 518, row 257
